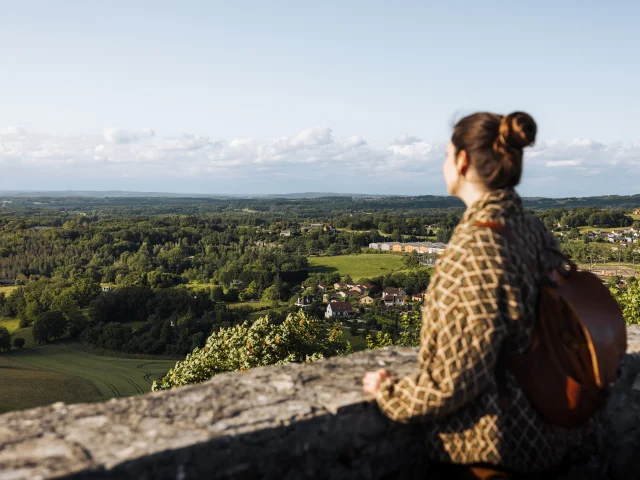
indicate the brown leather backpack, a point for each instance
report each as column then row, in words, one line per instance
column 577, row 344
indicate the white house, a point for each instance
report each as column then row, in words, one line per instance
column 339, row 309
column 304, row 301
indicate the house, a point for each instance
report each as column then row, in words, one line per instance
column 349, row 293
column 397, row 247
column 636, row 211
column 322, row 288
column 417, row 297
column 340, row 286
column 358, row 288
column 385, row 246
column 437, row 247
column 313, row 226
column 304, row 301
column 374, row 246
column 366, row 300
column 286, row 233
column 107, row 288
column 339, row 309
column 392, row 291
column 393, row 296
column 326, row 298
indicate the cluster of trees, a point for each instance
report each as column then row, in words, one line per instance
column 175, row 336
column 412, row 281
column 5, row 339
column 299, row 338
column 629, row 300
column 594, row 252
column 562, row 218
column 169, row 321
column 41, row 295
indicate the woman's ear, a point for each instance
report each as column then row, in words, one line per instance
column 462, row 162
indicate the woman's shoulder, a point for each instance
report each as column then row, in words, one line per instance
column 470, row 248
column 480, row 239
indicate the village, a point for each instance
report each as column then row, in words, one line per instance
column 418, row 247
column 356, row 304
column 623, row 236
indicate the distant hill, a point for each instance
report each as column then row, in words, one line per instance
column 99, row 194
column 51, row 198
column 126, row 194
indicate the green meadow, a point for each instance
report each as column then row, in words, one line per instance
column 357, row 266
column 65, row 372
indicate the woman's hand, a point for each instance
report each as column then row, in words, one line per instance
column 372, row 380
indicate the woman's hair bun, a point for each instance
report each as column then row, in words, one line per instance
column 517, row 130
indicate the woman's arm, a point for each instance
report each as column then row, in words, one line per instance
column 470, row 331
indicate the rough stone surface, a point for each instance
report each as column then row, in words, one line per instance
column 633, row 338
column 289, row 422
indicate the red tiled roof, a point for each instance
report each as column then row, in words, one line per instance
column 341, row 307
column 391, row 291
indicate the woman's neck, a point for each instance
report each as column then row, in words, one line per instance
column 470, row 193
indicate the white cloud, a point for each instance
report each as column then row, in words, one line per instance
column 564, row 163
column 311, row 160
column 14, row 130
column 117, row 135
column 406, row 140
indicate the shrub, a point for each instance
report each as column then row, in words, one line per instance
column 5, row 338
column 77, row 323
column 300, row 338
column 24, row 323
column 49, row 326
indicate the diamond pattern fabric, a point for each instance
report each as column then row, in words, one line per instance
column 480, row 302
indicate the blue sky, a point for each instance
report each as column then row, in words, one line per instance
column 276, row 97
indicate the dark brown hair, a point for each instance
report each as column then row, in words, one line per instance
column 494, row 144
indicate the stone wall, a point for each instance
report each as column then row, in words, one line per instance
column 284, row 422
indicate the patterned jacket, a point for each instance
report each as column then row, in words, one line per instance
column 481, row 299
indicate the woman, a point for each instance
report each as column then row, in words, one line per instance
column 479, row 305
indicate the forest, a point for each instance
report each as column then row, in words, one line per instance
column 158, row 275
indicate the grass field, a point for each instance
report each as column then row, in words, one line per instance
column 635, row 217
column 12, row 324
column 199, row 285
column 357, row 266
column 358, row 343
column 41, row 375
column 420, row 237
column 7, row 289
column 609, row 266
column 255, row 305
column 607, row 229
